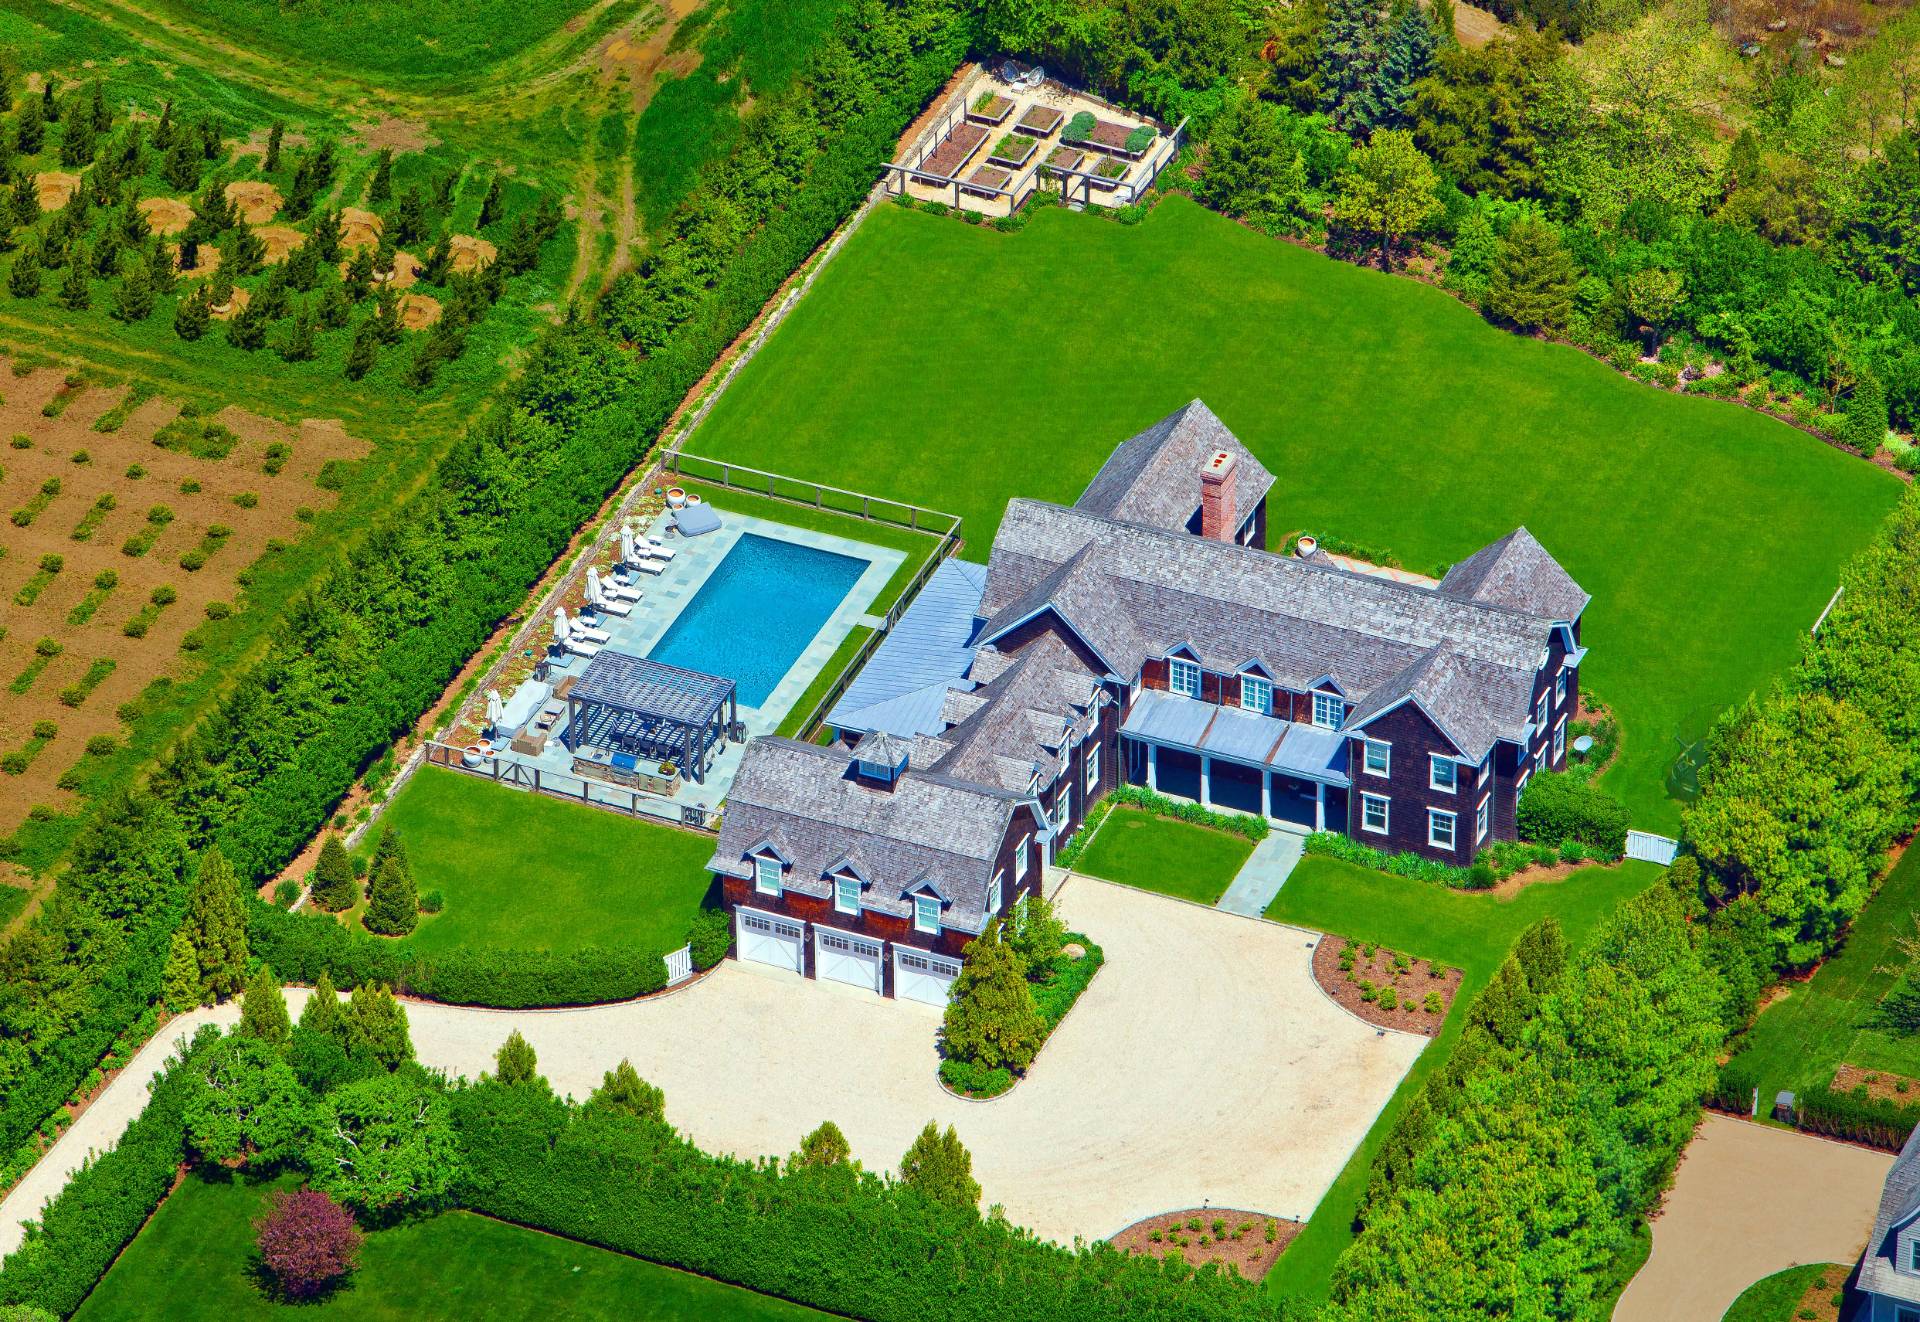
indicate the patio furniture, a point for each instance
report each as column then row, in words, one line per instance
column 586, row 633
column 584, row 650
column 1022, row 77
column 656, row 712
column 696, row 520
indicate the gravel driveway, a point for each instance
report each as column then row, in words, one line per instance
column 1201, row 1066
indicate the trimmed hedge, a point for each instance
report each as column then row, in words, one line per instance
column 107, row 1202
column 1138, row 796
column 1331, row 844
column 1557, row 806
column 1856, row 1117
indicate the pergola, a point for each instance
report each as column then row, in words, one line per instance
column 628, row 704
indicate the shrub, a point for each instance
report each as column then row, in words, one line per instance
column 975, row 1080
column 990, row 1018
column 1556, row 806
column 307, row 1242
column 1855, row 1117
column 432, row 902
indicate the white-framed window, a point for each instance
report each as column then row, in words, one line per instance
column 1560, row 689
column 926, row 913
column 1520, row 785
column 1540, row 759
column 1485, row 773
column 1256, row 694
column 846, row 894
column 1328, row 710
column 1540, row 713
column 1183, row 677
column 1093, row 767
column 996, row 893
column 1376, row 757
column 1560, row 739
column 1443, row 773
column 1373, row 813
column 1483, row 819
column 1440, row 828
column 766, row 874
column 1913, row 1254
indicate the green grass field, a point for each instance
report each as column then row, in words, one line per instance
column 1161, row 854
column 1775, row 1298
column 1822, row 1023
column 195, row 1259
column 1709, row 536
column 1429, row 922
column 530, row 872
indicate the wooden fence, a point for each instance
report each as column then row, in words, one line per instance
column 560, row 785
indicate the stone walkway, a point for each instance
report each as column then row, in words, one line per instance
column 1263, row 874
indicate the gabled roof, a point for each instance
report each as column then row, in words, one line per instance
column 1032, row 710
column 1899, row 1202
column 904, row 683
column 1154, row 477
column 1517, row 572
column 1457, row 695
column 927, row 830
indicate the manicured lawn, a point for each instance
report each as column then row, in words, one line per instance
column 1777, row 1297
column 1822, row 1023
column 1427, row 921
column 1709, row 536
column 1161, row 854
column 522, row 870
column 194, row 1259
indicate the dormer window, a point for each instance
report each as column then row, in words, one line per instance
column 1328, row 710
column 1913, row 1255
column 766, row 874
column 1256, row 695
column 1183, row 677
column 846, row 894
column 926, row 913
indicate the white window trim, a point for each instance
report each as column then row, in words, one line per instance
column 1483, row 819
column 1452, row 819
column 1366, row 750
column 1180, row 667
column 761, row 864
column 1540, row 714
column 1255, row 684
column 1560, row 739
column 1386, row 813
column 1520, row 785
column 840, row 881
column 1334, row 700
column 919, row 908
column 1434, row 762
column 1485, row 772
column 997, row 894
column 1092, row 781
column 1560, row 689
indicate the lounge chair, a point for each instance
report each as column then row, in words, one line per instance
column 612, row 605
column 584, row 650
column 588, row 633
column 654, row 547
column 612, row 589
column 646, row 564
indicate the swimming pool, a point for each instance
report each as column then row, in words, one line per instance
column 756, row 613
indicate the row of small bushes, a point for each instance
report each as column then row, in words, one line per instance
column 1139, row 796
column 299, row 946
column 1495, row 863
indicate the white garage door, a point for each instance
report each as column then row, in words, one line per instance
column 920, row 976
column 844, row 957
column 767, row 938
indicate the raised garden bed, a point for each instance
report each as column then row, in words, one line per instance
column 943, row 161
column 1039, row 121
column 990, row 108
column 1245, row 1242
column 1062, row 159
column 985, row 181
column 1387, row 988
column 1013, row 150
column 1108, row 174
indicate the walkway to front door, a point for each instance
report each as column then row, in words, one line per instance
column 1264, row 872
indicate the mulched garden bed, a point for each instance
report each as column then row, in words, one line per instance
column 1067, row 158
column 1880, row 1085
column 984, row 181
column 990, row 109
column 951, row 154
column 1247, row 1242
column 1039, row 121
column 1378, row 970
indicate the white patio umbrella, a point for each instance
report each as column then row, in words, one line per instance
column 560, row 630
column 593, row 587
column 496, row 709
column 626, row 543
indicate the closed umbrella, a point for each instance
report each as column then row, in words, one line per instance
column 593, row 586
column 560, row 625
column 496, row 709
column 626, row 543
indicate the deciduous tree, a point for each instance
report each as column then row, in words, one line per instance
column 1388, row 190
column 307, row 1242
column 384, row 1144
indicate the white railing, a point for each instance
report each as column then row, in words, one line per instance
column 1651, row 848
column 680, row 965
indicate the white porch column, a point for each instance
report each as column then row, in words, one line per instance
column 1206, row 781
column 1266, row 792
column 1319, row 805
column 1153, row 767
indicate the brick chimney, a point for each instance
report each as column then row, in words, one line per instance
column 1219, row 517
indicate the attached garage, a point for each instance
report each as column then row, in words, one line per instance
column 846, row 957
column 919, row 975
column 767, row 938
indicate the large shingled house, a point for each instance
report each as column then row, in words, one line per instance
column 1143, row 633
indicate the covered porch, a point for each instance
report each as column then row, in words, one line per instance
column 1238, row 761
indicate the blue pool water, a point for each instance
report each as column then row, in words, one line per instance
column 757, row 612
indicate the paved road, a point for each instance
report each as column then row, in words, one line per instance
column 1749, row 1201
column 1202, row 1065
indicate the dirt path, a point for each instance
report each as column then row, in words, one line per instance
column 1749, row 1201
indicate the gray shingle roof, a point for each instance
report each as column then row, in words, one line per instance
column 928, row 829
column 1031, row 712
column 1517, row 572
column 1473, row 703
column 1154, row 477
column 1899, row 1201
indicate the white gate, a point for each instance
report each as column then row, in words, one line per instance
column 921, row 975
column 1651, row 848
column 846, row 957
column 680, row 965
column 768, row 938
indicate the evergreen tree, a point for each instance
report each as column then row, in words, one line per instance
column 76, row 291
column 188, row 257
column 77, row 143
column 375, row 1024
column 180, row 167
column 825, row 1146
column 941, row 1169
column 8, row 72
column 215, row 210
column 334, row 885
column 217, row 926
column 106, row 255
column 133, row 301
column 298, row 347
column 359, row 278
column 163, row 132
column 1252, row 171
column 386, row 315
column 102, row 117
column 490, row 204
column 364, row 351
column 382, row 186
column 244, row 253
column 191, row 317
column 303, row 267
column 1351, row 44
column 247, row 329
column 1533, row 277
column 324, row 238
column 439, row 259
column 160, row 275
column 209, row 133
column 1470, row 262
column 220, row 291
column 409, row 217
column 390, row 846
column 263, row 1010
column 336, row 309
column 393, row 905
column 180, row 981
column 30, row 134
column 990, row 1018
column 1408, row 58
column 1866, row 422
column 271, row 299
column 323, row 1012
column 515, row 1064
column 623, row 1090
column 270, row 163
column 24, row 203
column 23, row 280
column 49, row 107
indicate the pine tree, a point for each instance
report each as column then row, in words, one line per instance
column 102, row 116
column 163, row 132
column 191, row 317
column 30, row 134
column 133, row 301
column 393, row 905
column 941, row 1168
column 991, row 1019
column 825, row 1146
column 23, row 281
column 334, row 885
column 377, row 1025
column 180, row 982
column 1533, row 277
column 514, row 1063
column 390, row 846
column 76, row 291
column 622, row 1089
column 160, row 274
column 209, row 132
column 386, row 315
column 217, row 926
column 270, row 163
column 336, row 309
column 263, row 1010
column 323, row 1012
column 364, row 351
column 220, row 289
column 382, row 186
column 1351, row 43
column 78, row 143
column 439, row 259
column 490, row 204
column 325, row 236
column 1866, row 422
column 1252, row 171
column 1409, row 55
column 359, row 278
column 298, row 346
column 25, row 202
column 180, row 167
column 247, row 329
column 7, row 74
column 49, row 107
column 409, row 217
column 243, row 253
